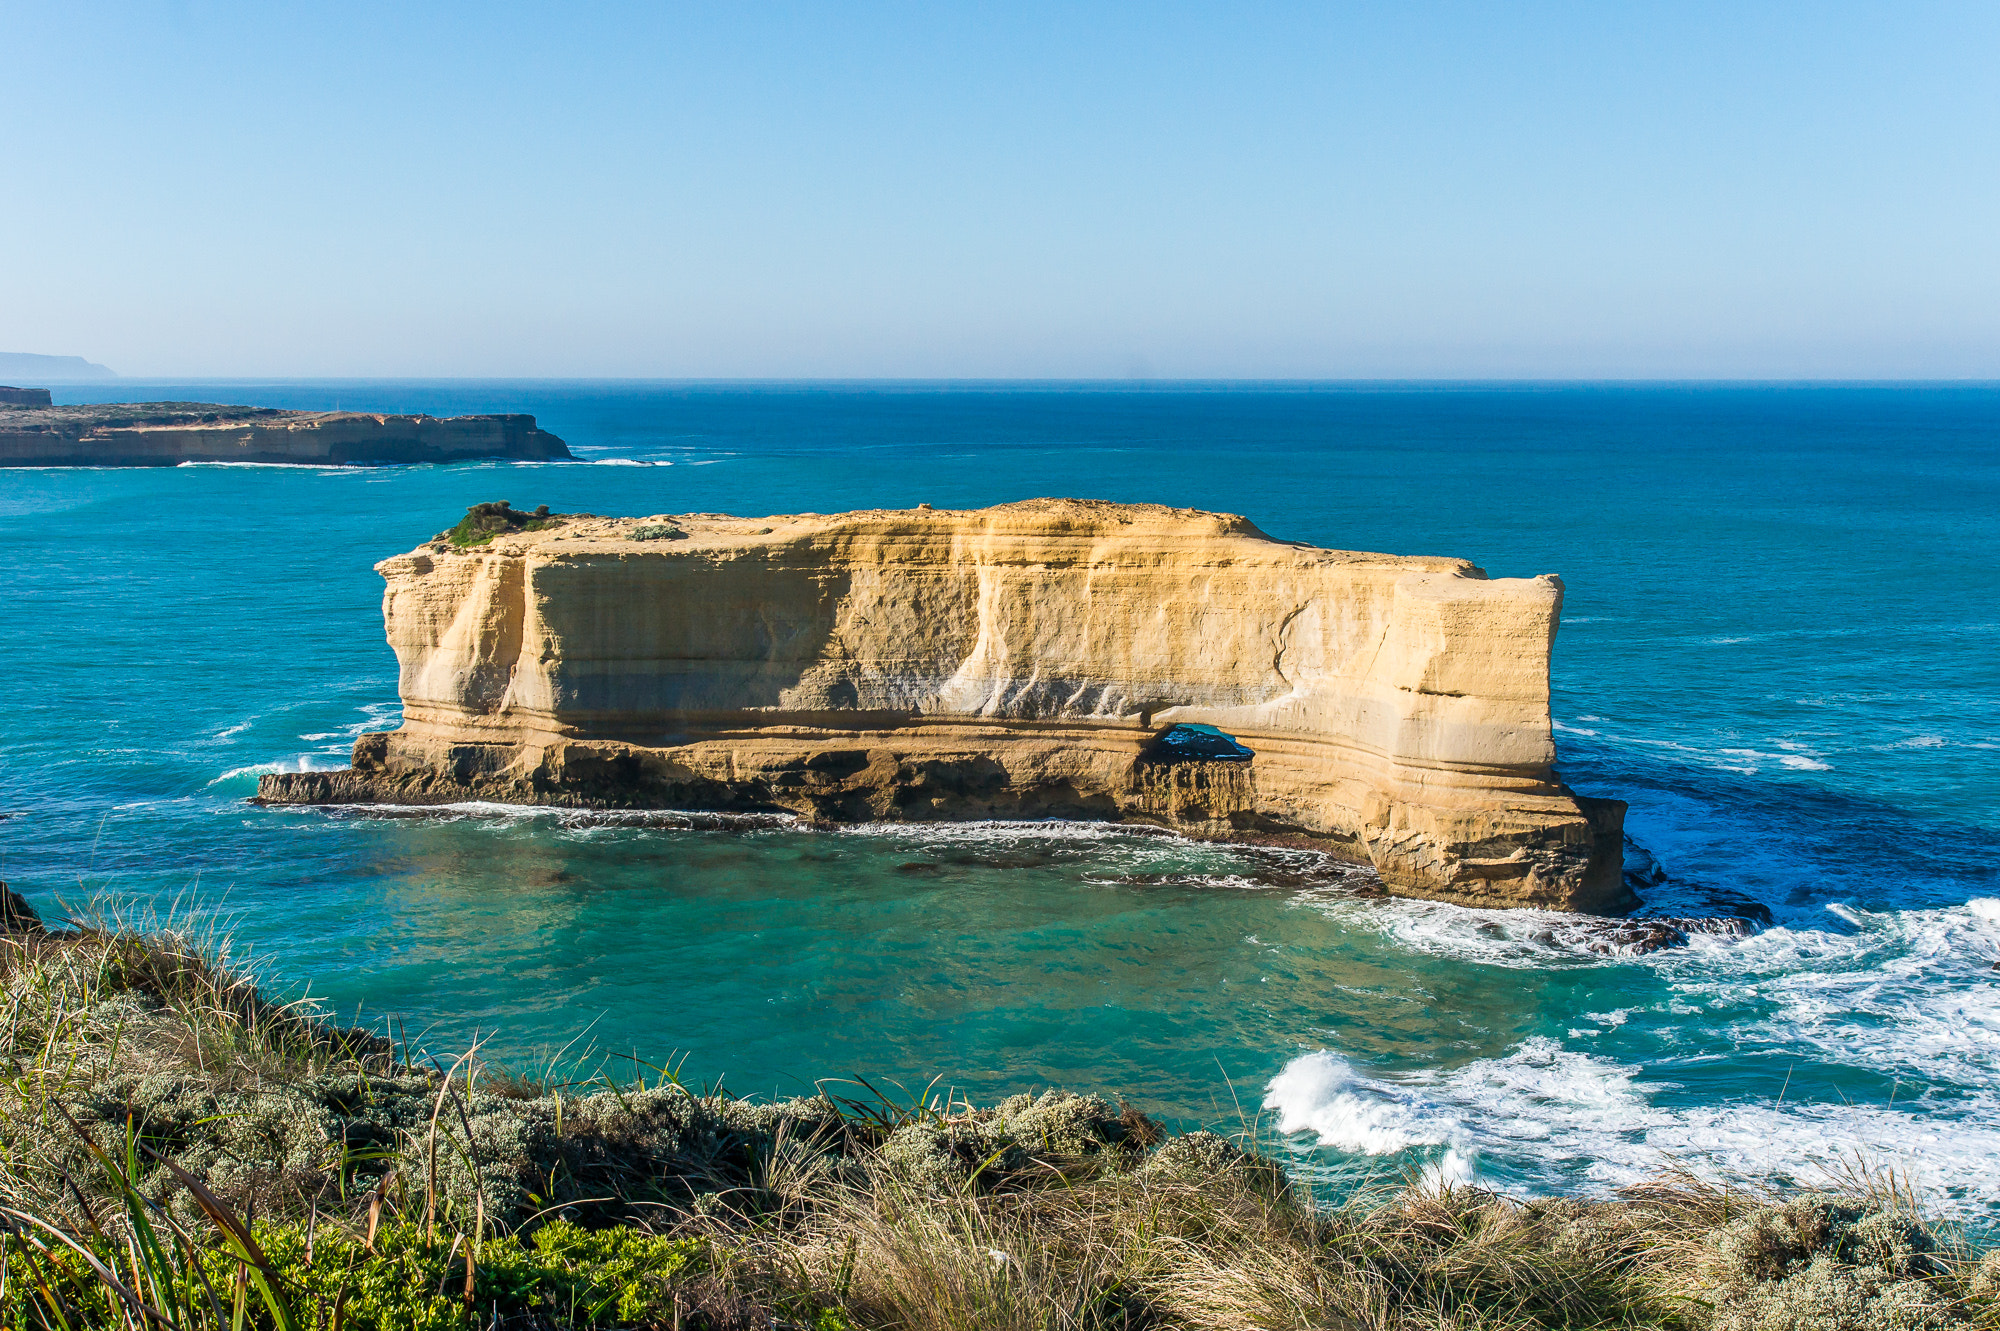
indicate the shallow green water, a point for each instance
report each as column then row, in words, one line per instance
column 1779, row 644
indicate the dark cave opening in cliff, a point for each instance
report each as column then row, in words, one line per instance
column 1195, row 743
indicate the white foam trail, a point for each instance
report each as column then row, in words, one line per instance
column 287, row 466
column 991, row 830
column 579, row 821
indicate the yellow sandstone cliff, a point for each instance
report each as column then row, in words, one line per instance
column 1013, row 662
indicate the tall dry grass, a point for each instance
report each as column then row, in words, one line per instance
column 134, row 1192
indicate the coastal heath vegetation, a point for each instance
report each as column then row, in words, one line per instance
column 483, row 522
column 178, row 1150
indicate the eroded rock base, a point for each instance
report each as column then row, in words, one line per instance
column 1558, row 851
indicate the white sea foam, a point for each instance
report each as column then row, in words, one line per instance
column 1744, row 761
column 298, row 763
column 1560, row 1118
column 285, row 466
column 992, row 830
column 572, row 820
column 1904, row 995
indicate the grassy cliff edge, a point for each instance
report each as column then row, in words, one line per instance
column 180, row 1151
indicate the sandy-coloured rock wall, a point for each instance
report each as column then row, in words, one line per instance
column 1011, row 662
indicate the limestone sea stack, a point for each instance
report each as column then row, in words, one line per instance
column 1056, row 658
column 165, row 434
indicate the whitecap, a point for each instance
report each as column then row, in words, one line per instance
column 299, row 763
column 1564, row 1120
column 1322, row 1094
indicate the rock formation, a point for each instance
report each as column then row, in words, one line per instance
column 1025, row 661
column 23, row 397
column 164, row 434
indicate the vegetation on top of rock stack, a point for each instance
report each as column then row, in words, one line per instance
column 176, row 1150
column 483, row 522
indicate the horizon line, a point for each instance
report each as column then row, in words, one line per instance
column 1043, row 381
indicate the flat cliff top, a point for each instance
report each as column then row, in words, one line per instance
column 76, row 421
column 1058, row 522
column 81, row 419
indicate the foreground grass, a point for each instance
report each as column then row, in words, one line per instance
column 177, row 1151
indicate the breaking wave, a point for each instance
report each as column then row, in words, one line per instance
column 1552, row 1119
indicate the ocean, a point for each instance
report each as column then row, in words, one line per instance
column 1781, row 644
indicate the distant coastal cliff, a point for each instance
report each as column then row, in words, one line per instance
column 28, row 367
column 1048, row 659
column 165, row 434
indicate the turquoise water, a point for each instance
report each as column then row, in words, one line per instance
column 1781, row 644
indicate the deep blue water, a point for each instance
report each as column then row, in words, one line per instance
column 1781, row 643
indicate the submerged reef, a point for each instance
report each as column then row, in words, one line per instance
column 1056, row 658
column 178, row 1150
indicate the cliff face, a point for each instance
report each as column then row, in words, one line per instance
column 165, row 434
column 1020, row 661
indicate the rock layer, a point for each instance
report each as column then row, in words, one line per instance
column 1014, row 662
column 165, row 434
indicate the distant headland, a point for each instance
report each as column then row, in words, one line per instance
column 26, row 367
column 165, row 434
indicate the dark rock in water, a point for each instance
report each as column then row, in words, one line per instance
column 16, row 915
column 1638, row 937
column 24, row 397
column 1198, row 744
column 1647, row 878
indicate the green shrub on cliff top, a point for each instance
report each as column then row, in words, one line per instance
column 483, row 522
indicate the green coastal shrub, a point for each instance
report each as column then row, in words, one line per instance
column 1828, row 1263
column 408, row 1281
column 483, row 522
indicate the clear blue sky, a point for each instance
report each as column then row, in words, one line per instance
column 1063, row 190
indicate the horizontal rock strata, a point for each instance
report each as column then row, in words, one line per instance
column 1025, row 661
column 165, row 434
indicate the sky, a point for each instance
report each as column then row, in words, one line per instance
column 937, row 190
